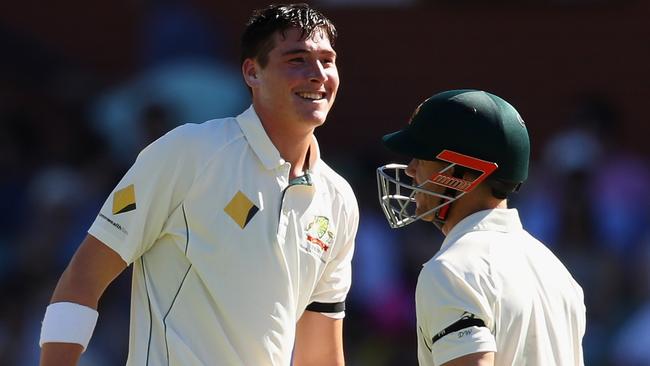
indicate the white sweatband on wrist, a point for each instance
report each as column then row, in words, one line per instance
column 68, row 322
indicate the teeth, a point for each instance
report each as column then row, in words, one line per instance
column 314, row 96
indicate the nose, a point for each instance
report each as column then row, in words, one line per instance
column 410, row 168
column 317, row 73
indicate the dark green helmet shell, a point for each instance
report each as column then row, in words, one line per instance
column 470, row 122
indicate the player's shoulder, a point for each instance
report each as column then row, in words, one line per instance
column 192, row 145
column 466, row 255
column 337, row 184
column 457, row 274
column 439, row 268
column 207, row 135
column 470, row 246
column 197, row 140
column 436, row 276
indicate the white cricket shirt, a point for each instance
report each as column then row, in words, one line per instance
column 227, row 255
column 494, row 287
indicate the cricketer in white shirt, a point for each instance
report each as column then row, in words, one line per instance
column 227, row 252
column 492, row 287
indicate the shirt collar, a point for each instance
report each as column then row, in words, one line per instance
column 251, row 126
column 259, row 141
column 498, row 219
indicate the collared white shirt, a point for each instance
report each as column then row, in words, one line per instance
column 494, row 287
column 227, row 254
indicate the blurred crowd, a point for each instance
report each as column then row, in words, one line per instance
column 67, row 136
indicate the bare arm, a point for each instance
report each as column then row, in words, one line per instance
column 319, row 341
column 474, row 359
column 93, row 267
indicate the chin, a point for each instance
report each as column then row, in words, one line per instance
column 317, row 118
column 429, row 218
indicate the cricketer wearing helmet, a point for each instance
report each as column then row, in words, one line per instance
column 492, row 294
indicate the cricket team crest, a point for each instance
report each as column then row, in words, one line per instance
column 416, row 111
column 319, row 235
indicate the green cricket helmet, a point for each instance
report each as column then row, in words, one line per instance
column 472, row 129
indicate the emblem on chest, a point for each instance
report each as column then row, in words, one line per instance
column 319, row 236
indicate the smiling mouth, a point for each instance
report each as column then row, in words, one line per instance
column 311, row 95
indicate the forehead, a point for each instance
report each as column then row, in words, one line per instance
column 292, row 38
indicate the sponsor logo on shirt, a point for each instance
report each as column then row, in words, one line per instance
column 521, row 121
column 117, row 225
column 124, row 200
column 241, row 209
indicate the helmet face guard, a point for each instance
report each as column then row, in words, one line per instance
column 397, row 197
column 397, row 193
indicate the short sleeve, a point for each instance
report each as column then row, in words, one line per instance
column 453, row 313
column 135, row 212
column 332, row 288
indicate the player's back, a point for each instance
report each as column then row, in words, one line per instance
column 540, row 314
column 529, row 300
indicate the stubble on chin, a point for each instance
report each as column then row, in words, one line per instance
column 427, row 217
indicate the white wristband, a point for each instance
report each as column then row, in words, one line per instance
column 68, row 322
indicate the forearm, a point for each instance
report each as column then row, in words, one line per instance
column 60, row 354
column 68, row 290
column 73, row 288
column 71, row 316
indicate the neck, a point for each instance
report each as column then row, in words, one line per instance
column 470, row 203
column 295, row 152
column 292, row 142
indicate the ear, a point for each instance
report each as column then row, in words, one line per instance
column 249, row 69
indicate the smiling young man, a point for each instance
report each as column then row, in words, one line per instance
column 240, row 236
column 492, row 294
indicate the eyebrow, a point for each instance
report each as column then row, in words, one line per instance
column 299, row 51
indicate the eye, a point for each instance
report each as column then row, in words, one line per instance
column 328, row 61
column 297, row 60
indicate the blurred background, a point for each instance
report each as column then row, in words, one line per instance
column 84, row 85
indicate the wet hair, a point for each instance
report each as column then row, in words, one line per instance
column 257, row 40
